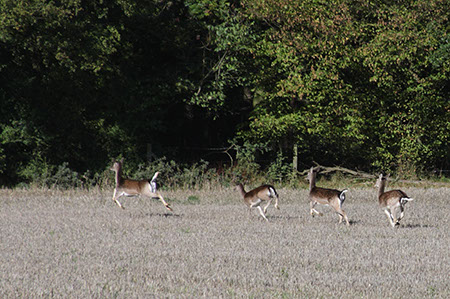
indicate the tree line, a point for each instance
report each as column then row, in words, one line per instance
column 362, row 83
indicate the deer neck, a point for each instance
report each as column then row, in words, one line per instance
column 118, row 177
column 312, row 181
column 241, row 190
column 381, row 187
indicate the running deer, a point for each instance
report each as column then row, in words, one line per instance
column 257, row 196
column 391, row 200
column 331, row 197
column 129, row 187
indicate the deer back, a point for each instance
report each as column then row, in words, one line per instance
column 391, row 198
column 133, row 187
column 264, row 192
column 323, row 195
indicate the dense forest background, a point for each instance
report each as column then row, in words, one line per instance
column 358, row 83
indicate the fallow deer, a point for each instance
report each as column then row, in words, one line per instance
column 254, row 198
column 331, row 197
column 391, row 200
column 129, row 187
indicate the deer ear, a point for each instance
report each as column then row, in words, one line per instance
column 121, row 161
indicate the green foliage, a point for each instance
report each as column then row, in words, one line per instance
column 279, row 170
column 301, row 95
column 358, row 79
column 412, row 108
column 355, row 83
column 247, row 168
column 226, row 38
column 172, row 175
column 193, row 200
column 39, row 173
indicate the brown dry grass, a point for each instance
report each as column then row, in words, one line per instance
column 80, row 244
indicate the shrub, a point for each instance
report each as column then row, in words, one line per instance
column 41, row 174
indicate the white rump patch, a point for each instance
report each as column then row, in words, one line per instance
column 342, row 195
column 404, row 200
column 272, row 192
column 152, row 183
column 151, row 187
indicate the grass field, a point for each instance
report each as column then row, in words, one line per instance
column 80, row 244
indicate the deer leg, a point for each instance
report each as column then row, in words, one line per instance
column 391, row 219
column 119, row 204
column 116, row 199
column 311, row 208
column 346, row 219
column 262, row 213
column 394, row 219
column 402, row 213
column 342, row 214
column 163, row 201
column 312, row 204
column 267, row 205
column 255, row 204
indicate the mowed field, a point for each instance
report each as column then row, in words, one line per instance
column 79, row 244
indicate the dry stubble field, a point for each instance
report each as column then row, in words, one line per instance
column 80, row 244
